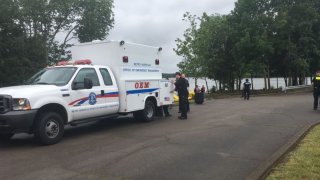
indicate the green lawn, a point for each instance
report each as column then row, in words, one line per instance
column 303, row 162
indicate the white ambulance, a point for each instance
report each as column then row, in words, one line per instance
column 106, row 79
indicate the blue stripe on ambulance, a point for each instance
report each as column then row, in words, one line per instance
column 141, row 91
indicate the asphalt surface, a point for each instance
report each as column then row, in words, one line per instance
column 222, row 139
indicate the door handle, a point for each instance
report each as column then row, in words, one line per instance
column 102, row 92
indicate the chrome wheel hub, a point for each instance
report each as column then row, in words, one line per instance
column 52, row 129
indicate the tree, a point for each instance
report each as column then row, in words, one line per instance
column 187, row 48
column 19, row 56
column 28, row 31
column 296, row 39
column 96, row 21
column 85, row 19
column 258, row 38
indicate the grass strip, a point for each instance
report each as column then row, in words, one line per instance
column 303, row 162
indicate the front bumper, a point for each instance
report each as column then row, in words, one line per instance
column 17, row 121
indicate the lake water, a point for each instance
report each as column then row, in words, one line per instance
column 258, row 83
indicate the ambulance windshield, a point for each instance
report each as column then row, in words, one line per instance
column 58, row 76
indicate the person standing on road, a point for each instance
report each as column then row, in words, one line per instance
column 197, row 90
column 181, row 87
column 246, row 89
column 187, row 82
column 203, row 91
column 166, row 110
column 316, row 90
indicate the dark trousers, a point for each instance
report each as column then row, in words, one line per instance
column 183, row 103
column 166, row 109
column 316, row 100
column 188, row 105
column 246, row 94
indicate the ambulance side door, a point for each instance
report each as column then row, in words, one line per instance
column 85, row 103
column 110, row 91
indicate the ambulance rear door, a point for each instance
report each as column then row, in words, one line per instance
column 166, row 92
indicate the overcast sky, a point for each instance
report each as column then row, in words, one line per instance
column 159, row 22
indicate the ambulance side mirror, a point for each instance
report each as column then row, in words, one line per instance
column 88, row 83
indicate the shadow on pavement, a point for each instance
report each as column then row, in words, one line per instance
column 73, row 132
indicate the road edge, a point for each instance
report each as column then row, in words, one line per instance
column 263, row 170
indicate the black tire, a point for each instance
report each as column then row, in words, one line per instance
column 49, row 128
column 6, row 136
column 147, row 114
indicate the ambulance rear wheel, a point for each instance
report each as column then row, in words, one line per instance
column 147, row 114
column 49, row 128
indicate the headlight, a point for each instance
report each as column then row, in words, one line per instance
column 21, row 104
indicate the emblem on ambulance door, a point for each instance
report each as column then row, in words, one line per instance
column 92, row 98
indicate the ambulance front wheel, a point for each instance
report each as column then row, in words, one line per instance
column 147, row 114
column 49, row 128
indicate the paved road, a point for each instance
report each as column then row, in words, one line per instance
column 223, row 139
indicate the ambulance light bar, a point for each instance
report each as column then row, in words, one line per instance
column 63, row 63
column 83, row 62
column 77, row 62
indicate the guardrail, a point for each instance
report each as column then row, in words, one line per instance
column 295, row 87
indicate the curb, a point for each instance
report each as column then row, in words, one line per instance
column 263, row 170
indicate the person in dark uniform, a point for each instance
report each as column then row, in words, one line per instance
column 188, row 103
column 246, row 89
column 316, row 90
column 181, row 87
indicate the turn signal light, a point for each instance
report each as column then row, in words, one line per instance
column 157, row 61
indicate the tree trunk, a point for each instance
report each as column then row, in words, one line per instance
column 285, row 81
column 265, row 82
column 236, row 84
column 208, row 90
column 252, row 82
column 217, row 87
column 268, row 74
column 294, row 80
column 290, row 80
column 239, row 85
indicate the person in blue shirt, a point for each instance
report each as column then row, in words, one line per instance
column 246, row 89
